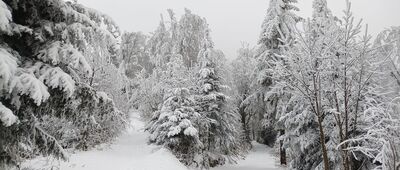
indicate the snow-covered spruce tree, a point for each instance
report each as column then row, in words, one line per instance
column 284, row 104
column 175, row 125
column 97, row 117
column 41, row 44
column 218, row 128
column 276, row 28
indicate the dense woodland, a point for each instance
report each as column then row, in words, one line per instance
column 321, row 90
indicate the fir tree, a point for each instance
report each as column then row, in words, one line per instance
column 277, row 29
column 218, row 125
column 41, row 56
column 175, row 125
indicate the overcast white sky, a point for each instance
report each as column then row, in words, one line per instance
column 234, row 21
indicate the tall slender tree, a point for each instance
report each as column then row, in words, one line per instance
column 276, row 29
column 218, row 125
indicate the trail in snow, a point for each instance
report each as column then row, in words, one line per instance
column 259, row 158
column 131, row 152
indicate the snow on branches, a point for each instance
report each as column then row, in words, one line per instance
column 5, row 18
column 42, row 60
column 65, row 54
column 175, row 126
column 7, row 118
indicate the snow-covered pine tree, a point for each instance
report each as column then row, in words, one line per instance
column 276, row 29
column 278, row 24
column 41, row 44
column 264, row 102
column 175, row 125
column 218, row 126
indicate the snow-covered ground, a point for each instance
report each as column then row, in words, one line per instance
column 259, row 158
column 131, row 152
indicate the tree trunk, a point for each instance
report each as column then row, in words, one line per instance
column 245, row 124
column 323, row 146
column 282, row 150
column 92, row 78
column 317, row 111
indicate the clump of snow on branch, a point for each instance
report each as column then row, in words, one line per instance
column 7, row 118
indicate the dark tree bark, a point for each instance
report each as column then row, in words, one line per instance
column 282, row 150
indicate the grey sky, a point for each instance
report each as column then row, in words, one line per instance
column 234, row 21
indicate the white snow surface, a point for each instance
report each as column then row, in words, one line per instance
column 260, row 158
column 131, row 152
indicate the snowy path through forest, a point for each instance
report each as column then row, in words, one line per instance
column 131, row 152
column 259, row 158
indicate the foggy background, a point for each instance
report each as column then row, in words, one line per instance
column 234, row 21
